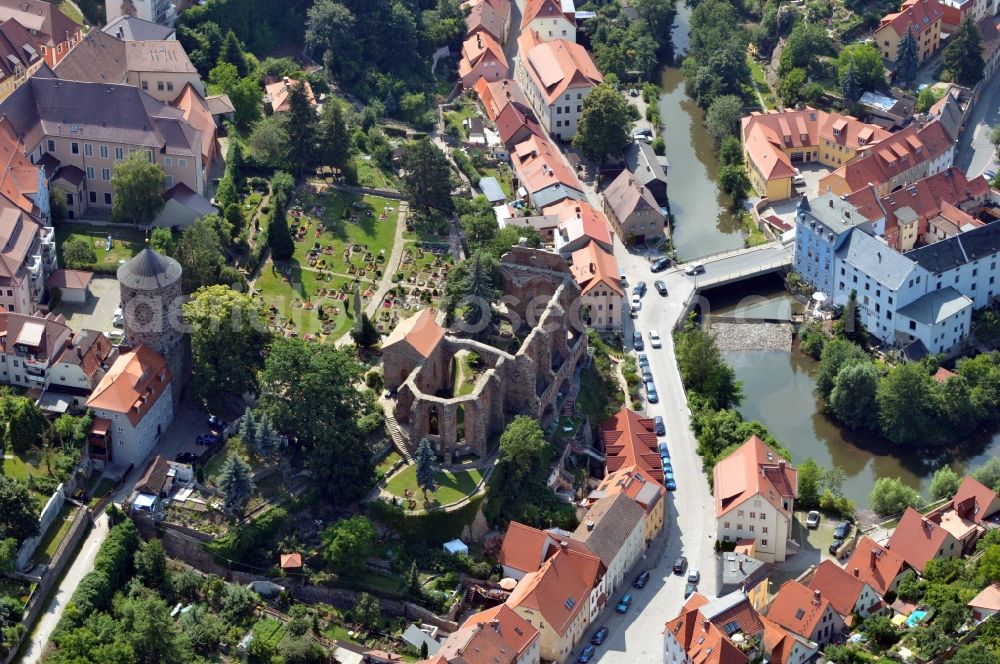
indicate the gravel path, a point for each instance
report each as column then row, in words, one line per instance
column 753, row 336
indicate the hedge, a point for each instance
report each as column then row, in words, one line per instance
column 432, row 528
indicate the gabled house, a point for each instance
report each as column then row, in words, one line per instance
column 975, row 501
column 410, row 344
column 276, row 95
column 489, row 16
column 629, row 440
column 27, row 258
column 806, row 613
column 613, row 530
column 85, row 358
column 551, row 19
column 132, row 406
column 645, row 491
column 755, row 492
column 986, row 603
column 847, row 592
column 54, row 33
column 543, row 173
column 579, row 224
column 919, row 540
column 556, row 76
column 482, row 57
column 517, row 124
column 877, row 566
column 596, row 272
column 494, row 636
column 560, row 600
column 921, row 17
column 633, row 210
column 644, row 165
column 19, row 60
column 495, row 96
column 524, row 549
column 726, row 630
column 783, row 647
column 740, row 571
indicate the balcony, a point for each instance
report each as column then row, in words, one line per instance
column 38, row 380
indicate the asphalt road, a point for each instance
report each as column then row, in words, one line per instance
column 975, row 152
column 637, row 636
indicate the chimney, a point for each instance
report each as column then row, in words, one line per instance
column 857, row 572
column 590, row 526
column 830, row 202
column 873, row 558
column 706, row 623
column 816, row 597
column 564, row 544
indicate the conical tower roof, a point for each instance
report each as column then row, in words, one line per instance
column 149, row 270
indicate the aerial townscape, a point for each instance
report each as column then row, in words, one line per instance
column 500, row 331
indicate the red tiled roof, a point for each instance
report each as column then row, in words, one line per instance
column 593, row 266
column 539, row 165
column 560, row 589
column 876, row 565
column 516, row 123
column 524, row 548
column 70, row 279
column 478, row 48
column 703, row 640
column 494, row 636
column 419, row 330
column 544, row 9
column 838, row 585
column 495, row 96
column 291, row 561
column 942, row 375
column 918, row 15
column 581, row 219
column 988, row 598
column 753, row 469
column 556, row 66
column 644, row 490
column 976, row 500
column 917, row 539
column 629, row 440
column 155, row 478
column 797, row 609
column 133, row 384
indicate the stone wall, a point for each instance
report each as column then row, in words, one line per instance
column 49, row 513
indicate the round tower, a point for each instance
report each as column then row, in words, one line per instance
column 150, row 286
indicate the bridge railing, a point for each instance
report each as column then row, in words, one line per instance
column 734, row 252
column 733, row 276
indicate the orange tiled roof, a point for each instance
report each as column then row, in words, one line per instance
column 797, row 609
column 988, row 598
column 133, row 384
column 629, row 440
column 88, row 348
column 291, row 561
column 494, row 636
column 917, row 539
column 516, row 123
column 19, row 177
column 279, row 92
column 942, row 375
column 556, row 66
column 524, row 548
column 593, row 266
column 918, row 15
column 488, row 15
column 976, row 500
column 875, row 565
column 702, row 640
column 539, row 165
column 635, row 484
column 495, row 96
column 542, row 9
column 753, row 469
column 580, row 218
column 837, row 585
column 419, row 330
column 476, row 49
column 199, row 116
column 560, row 589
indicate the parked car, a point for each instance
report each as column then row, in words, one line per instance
column 216, row 423
column 835, row 546
column 641, row 580
column 670, row 485
column 636, row 303
column 694, row 576
column 637, row 340
column 639, row 289
column 812, row 519
column 633, row 92
column 680, row 565
column 659, row 427
column 189, row 458
column 798, row 180
column 646, row 374
column 587, row 653
column 599, row 636
column 668, row 472
column 689, row 589
column 643, row 360
column 694, row 268
column 654, row 339
column 207, row 439
column 664, row 450
column 652, row 396
column 625, row 602
column 842, row 530
column 660, row 287
column 118, row 318
column 659, row 265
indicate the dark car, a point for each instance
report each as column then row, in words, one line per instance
column 599, row 636
column 658, row 426
column 216, row 423
column 688, row 589
column 637, row 342
column 680, row 565
column 660, row 264
column 664, row 450
column 187, row 457
column 640, row 289
column 835, row 546
column 842, row 530
column 671, row 485
column 585, row 656
column 641, row 580
column 643, row 360
column 661, row 287
column 647, row 375
column 206, row 439
column 623, row 605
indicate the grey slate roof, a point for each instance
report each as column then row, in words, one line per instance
column 608, row 524
column 642, row 162
column 958, row 250
column 98, row 57
column 149, row 270
column 130, row 28
column 875, row 259
column 737, row 571
column 554, row 194
column 936, row 306
column 836, row 215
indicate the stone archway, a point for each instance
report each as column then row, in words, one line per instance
column 433, row 420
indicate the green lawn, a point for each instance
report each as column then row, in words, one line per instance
column 126, row 241
column 387, row 463
column 57, row 531
column 21, row 467
column 214, row 464
column 452, row 486
column 269, row 631
column 71, row 11
column 370, row 174
column 341, row 240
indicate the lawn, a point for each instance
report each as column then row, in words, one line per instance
column 214, row 465
column 386, row 464
column 101, row 490
column 759, row 78
column 463, row 376
column 21, row 467
column 459, row 114
column 71, row 11
column 126, row 241
column 451, row 486
column 502, row 176
column 54, row 537
column 370, row 174
column 341, row 241
column 269, row 631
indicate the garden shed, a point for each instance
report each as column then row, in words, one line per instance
column 456, row 547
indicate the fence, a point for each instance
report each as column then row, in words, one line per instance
column 51, row 510
column 62, row 556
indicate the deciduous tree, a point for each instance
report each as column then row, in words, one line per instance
column 201, row 253
column 723, row 117
column 18, row 510
column 603, row 128
column 868, row 65
column 78, row 252
column 348, row 543
column 852, row 399
column 137, row 183
column 908, row 403
column 890, row 496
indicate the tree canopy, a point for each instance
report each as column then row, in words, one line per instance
column 603, row 128
column 348, row 543
column 137, row 183
column 426, row 176
column 963, row 57
column 890, row 496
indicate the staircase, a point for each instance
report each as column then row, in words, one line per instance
column 399, row 437
column 570, row 403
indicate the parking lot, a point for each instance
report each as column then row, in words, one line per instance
column 815, row 549
column 97, row 311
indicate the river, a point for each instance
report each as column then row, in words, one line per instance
column 703, row 223
column 778, row 389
